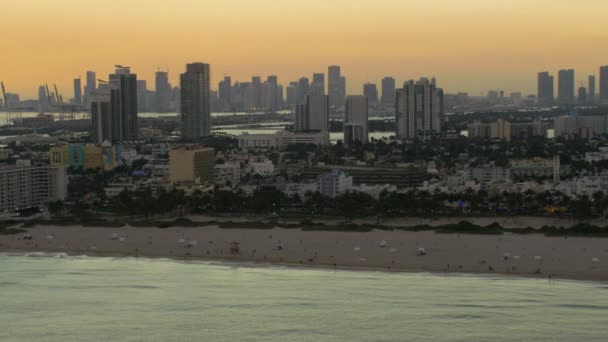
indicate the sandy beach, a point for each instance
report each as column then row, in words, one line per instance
column 524, row 255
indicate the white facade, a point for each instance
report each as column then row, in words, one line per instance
column 281, row 140
column 227, row 173
column 24, row 186
column 335, row 183
column 263, row 168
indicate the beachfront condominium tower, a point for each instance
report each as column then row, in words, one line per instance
column 591, row 90
column 125, row 106
column 114, row 108
column 336, row 86
column 565, row 88
column 370, row 91
column 604, row 85
column 355, row 119
column 545, row 95
column 388, row 92
column 419, row 110
column 313, row 115
column 77, row 91
column 195, row 101
column 162, row 91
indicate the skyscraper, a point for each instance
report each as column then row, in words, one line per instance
column 604, row 85
column 43, row 100
column 419, row 110
column 225, row 92
column 313, row 115
column 336, row 85
column 102, row 115
column 318, row 84
column 388, row 92
column 162, row 91
column 90, row 86
column 565, row 88
column 271, row 93
column 582, row 95
column 142, row 89
column 123, row 85
column 303, row 89
column 370, row 91
column 545, row 93
column 355, row 120
column 77, row 91
column 195, row 101
column 591, row 92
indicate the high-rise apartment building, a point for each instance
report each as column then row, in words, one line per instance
column 43, row 100
column 125, row 83
column 336, row 86
column 388, row 92
column 25, row 186
column 77, row 91
column 565, row 88
column 313, row 115
column 356, row 119
column 419, row 111
column 604, row 85
column 546, row 94
column 370, row 91
column 114, row 108
column 195, row 101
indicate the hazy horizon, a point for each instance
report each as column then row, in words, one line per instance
column 470, row 46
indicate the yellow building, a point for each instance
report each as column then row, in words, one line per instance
column 191, row 164
column 92, row 157
column 58, row 155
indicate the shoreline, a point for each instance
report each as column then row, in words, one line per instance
column 528, row 255
column 318, row 267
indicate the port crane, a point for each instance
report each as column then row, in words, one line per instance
column 13, row 115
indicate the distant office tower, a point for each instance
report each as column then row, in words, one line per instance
column 355, row 120
column 388, row 92
column 114, row 108
column 195, row 101
column 546, row 94
column 225, row 91
column 292, row 93
column 91, row 86
column 419, row 110
column 591, row 90
column 604, row 85
column 313, row 115
column 256, row 93
column 162, row 91
column 270, row 93
column 142, row 89
column 565, row 89
column 43, row 100
column 303, row 90
column 582, row 95
column 318, row 84
column 370, row 91
column 77, row 91
column 336, row 85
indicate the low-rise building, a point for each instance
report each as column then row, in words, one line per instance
column 192, row 164
column 228, row 173
column 335, row 183
column 488, row 173
column 281, row 140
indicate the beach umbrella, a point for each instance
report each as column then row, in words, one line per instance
column 182, row 241
column 356, row 249
column 121, row 239
column 595, row 260
column 382, row 244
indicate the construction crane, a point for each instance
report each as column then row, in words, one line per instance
column 11, row 117
column 57, row 97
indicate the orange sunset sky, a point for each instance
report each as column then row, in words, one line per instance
column 469, row 45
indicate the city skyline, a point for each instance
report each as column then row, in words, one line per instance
column 473, row 46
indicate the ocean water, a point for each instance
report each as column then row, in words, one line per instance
column 123, row 299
